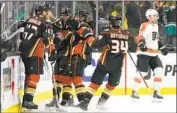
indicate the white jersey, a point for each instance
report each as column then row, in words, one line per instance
column 151, row 35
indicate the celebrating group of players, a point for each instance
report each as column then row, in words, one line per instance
column 69, row 41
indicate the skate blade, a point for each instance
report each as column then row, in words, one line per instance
column 134, row 100
column 56, row 109
column 24, row 110
column 155, row 100
column 102, row 108
column 50, row 108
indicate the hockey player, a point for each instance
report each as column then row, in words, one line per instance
column 81, row 57
column 82, row 17
column 71, row 67
column 148, row 47
column 82, row 39
column 115, row 43
column 85, row 19
column 37, row 37
column 62, row 41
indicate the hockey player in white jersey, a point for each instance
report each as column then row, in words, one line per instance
column 148, row 48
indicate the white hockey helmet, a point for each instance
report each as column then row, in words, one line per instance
column 152, row 12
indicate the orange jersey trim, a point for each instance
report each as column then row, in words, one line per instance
column 38, row 49
column 103, row 55
column 142, row 28
column 90, row 40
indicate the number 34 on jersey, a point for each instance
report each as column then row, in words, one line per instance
column 119, row 43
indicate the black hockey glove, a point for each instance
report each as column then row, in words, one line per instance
column 164, row 50
column 52, row 56
column 142, row 45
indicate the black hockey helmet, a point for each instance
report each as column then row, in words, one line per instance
column 38, row 10
column 46, row 7
column 115, row 20
column 65, row 12
column 82, row 13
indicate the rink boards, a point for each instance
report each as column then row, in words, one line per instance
column 12, row 75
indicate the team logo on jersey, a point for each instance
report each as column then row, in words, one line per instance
column 100, row 37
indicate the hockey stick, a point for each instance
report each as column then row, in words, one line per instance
column 53, row 79
column 15, row 33
column 168, row 47
column 70, row 54
column 139, row 72
column 2, row 7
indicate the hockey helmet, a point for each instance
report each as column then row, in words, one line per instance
column 65, row 12
column 115, row 20
column 38, row 10
column 152, row 12
column 46, row 7
column 82, row 14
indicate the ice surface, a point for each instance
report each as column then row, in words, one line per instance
column 127, row 104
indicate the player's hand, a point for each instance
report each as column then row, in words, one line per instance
column 164, row 50
column 142, row 45
column 52, row 56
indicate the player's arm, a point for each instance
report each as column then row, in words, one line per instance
column 22, row 24
column 100, row 41
column 140, row 39
column 21, row 29
column 87, row 35
column 164, row 49
column 48, row 41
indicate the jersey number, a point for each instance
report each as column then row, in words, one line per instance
column 154, row 35
column 28, row 37
column 119, row 46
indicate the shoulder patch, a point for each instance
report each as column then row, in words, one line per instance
column 100, row 37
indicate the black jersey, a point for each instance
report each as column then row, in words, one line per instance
column 114, row 43
column 63, row 37
column 37, row 35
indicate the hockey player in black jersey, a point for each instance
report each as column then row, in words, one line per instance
column 81, row 40
column 62, row 41
column 70, row 66
column 82, row 17
column 115, row 45
column 37, row 37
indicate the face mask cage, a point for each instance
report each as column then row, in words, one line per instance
column 116, row 23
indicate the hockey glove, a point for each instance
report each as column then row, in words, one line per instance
column 142, row 45
column 164, row 50
column 52, row 56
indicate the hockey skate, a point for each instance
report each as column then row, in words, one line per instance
column 135, row 95
column 53, row 106
column 67, row 103
column 29, row 106
column 101, row 104
column 157, row 97
column 83, row 104
column 52, row 103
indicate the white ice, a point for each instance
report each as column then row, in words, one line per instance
column 127, row 104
